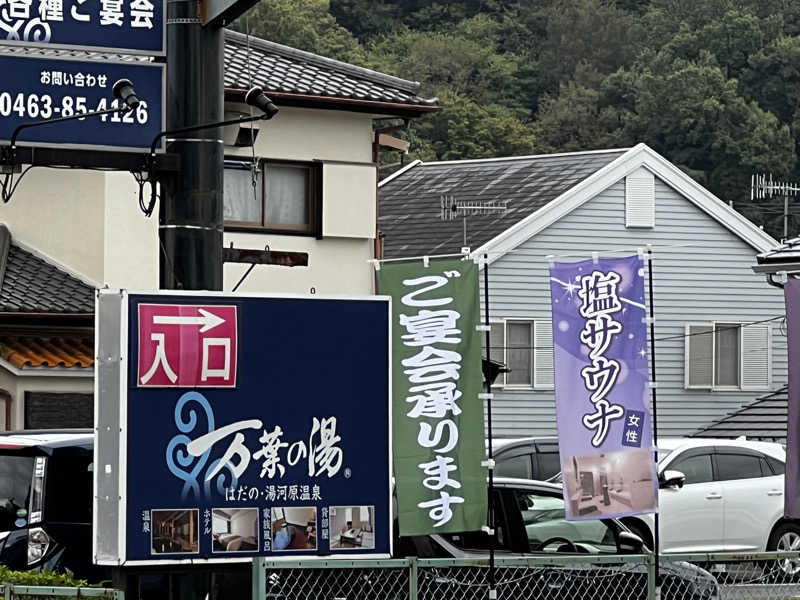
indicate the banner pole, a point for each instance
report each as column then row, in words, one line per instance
column 488, row 385
column 656, row 536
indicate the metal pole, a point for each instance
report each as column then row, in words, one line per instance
column 488, row 384
column 656, row 536
column 190, row 212
column 259, row 580
column 786, row 215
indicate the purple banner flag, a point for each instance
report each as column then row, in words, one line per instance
column 601, row 385
column 792, row 492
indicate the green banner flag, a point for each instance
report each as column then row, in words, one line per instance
column 437, row 417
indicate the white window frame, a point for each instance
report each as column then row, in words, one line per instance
column 532, row 323
column 502, row 381
column 723, row 388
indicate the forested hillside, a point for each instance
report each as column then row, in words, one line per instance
column 714, row 85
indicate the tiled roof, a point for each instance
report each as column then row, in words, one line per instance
column 765, row 419
column 65, row 350
column 29, row 284
column 411, row 202
column 281, row 69
column 287, row 74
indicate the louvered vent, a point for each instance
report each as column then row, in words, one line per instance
column 640, row 199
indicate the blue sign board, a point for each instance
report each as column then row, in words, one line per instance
column 125, row 26
column 250, row 426
column 33, row 89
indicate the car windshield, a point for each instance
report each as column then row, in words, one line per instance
column 548, row 530
column 15, row 485
column 662, row 454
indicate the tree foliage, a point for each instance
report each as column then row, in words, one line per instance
column 713, row 85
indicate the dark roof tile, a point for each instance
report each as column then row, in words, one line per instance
column 30, row 284
column 278, row 69
column 281, row 69
column 411, row 203
column 765, row 419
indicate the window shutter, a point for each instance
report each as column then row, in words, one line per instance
column 756, row 342
column 543, row 354
column 699, row 355
column 640, row 199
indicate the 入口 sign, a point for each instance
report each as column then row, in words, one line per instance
column 187, row 345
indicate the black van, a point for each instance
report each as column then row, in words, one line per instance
column 527, row 458
column 46, row 502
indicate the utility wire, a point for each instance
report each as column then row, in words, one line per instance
column 661, row 339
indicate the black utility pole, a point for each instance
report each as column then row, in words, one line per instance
column 190, row 212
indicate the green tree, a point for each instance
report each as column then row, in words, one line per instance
column 463, row 128
column 464, row 60
column 303, row 24
column 689, row 111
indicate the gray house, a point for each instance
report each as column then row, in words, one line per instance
column 719, row 337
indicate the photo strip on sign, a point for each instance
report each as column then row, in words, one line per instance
column 602, row 387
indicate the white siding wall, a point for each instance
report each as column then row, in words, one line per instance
column 707, row 279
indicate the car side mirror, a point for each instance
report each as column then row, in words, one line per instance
column 630, row 543
column 671, row 479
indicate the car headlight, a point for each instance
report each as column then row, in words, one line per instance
column 38, row 543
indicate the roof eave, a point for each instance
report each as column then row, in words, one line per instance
column 334, row 103
column 639, row 155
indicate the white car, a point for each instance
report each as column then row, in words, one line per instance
column 720, row 495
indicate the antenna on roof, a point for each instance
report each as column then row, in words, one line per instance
column 451, row 209
column 763, row 187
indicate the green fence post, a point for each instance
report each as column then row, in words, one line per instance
column 651, row 576
column 413, row 574
column 259, row 580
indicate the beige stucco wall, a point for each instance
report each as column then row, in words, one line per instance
column 308, row 134
column 60, row 213
column 338, row 262
column 130, row 249
column 90, row 221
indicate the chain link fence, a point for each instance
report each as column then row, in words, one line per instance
column 765, row 576
column 39, row 592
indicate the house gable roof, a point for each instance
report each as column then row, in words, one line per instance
column 540, row 214
column 410, row 199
